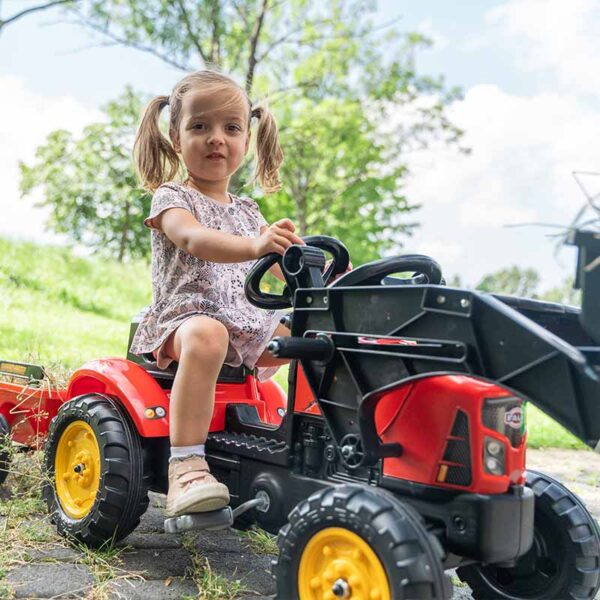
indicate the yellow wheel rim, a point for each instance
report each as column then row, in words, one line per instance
column 336, row 563
column 77, row 469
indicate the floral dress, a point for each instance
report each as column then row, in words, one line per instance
column 184, row 286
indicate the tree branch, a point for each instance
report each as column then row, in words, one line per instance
column 188, row 28
column 33, row 9
column 125, row 42
column 215, row 46
column 253, row 44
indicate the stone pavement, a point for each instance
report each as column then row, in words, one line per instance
column 155, row 565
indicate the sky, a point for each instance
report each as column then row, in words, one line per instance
column 530, row 112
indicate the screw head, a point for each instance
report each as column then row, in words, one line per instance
column 441, row 299
column 341, row 589
column 465, row 302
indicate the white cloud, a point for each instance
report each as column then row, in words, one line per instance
column 557, row 36
column 523, row 152
column 27, row 119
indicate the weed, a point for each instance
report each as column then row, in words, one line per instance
column 259, row 541
column 211, row 585
column 105, row 564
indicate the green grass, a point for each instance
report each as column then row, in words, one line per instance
column 545, row 432
column 259, row 541
column 56, row 307
column 61, row 311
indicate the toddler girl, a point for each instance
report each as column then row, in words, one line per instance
column 204, row 241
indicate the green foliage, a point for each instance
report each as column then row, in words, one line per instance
column 514, row 281
column 90, row 186
column 518, row 281
column 564, row 293
column 333, row 183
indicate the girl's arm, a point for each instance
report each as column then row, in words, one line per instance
column 180, row 226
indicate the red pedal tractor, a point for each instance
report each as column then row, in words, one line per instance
column 398, row 453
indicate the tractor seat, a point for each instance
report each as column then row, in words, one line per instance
column 165, row 377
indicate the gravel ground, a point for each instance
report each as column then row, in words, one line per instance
column 155, row 565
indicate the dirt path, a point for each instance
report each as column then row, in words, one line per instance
column 154, row 566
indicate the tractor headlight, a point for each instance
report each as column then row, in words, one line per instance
column 493, row 456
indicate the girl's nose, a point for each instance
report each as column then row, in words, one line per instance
column 216, row 137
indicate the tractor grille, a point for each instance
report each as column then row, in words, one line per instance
column 456, row 462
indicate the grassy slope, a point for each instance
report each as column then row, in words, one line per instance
column 61, row 310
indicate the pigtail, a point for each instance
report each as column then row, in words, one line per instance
column 269, row 155
column 155, row 158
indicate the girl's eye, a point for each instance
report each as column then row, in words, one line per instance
column 198, row 126
column 234, row 127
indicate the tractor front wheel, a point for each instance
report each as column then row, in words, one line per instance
column 564, row 560
column 350, row 541
column 96, row 489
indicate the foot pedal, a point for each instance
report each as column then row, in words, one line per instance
column 215, row 519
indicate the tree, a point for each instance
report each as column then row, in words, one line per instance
column 89, row 183
column 514, row 281
column 334, row 182
column 563, row 293
column 336, row 83
column 334, row 79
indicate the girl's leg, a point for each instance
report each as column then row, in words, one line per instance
column 200, row 346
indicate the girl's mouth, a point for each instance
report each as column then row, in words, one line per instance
column 215, row 156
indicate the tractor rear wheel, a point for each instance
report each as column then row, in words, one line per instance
column 350, row 541
column 564, row 560
column 96, row 488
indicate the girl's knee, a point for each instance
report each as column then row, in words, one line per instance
column 204, row 337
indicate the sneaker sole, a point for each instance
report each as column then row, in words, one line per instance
column 204, row 498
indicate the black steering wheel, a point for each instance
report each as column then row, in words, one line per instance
column 424, row 270
column 339, row 264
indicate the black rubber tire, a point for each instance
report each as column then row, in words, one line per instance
column 5, row 449
column 409, row 554
column 564, row 561
column 122, row 497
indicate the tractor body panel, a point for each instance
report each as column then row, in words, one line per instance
column 147, row 401
column 439, row 423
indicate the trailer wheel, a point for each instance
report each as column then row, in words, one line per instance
column 564, row 560
column 96, row 488
column 350, row 541
column 5, row 449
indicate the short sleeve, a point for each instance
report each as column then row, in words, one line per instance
column 252, row 208
column 167, row 196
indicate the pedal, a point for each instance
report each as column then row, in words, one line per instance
column 213, row 520
column 216, row 519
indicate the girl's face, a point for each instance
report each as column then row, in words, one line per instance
column 213, row 135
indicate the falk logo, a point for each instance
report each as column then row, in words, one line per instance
column 514, row 417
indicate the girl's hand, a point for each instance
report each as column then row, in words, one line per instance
column 277, row 237
column 328, row 264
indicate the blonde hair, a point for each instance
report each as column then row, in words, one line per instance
column 155, row 157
